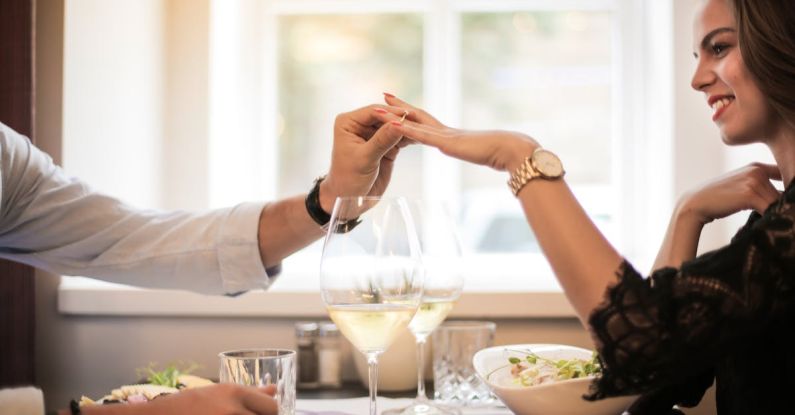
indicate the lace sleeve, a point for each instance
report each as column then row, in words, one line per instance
column 655, row 332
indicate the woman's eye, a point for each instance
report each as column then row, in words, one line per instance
column 719, row 48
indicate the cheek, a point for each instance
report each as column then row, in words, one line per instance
column 734, row 74
column 748, row 94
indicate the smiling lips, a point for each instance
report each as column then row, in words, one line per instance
column 719, row 105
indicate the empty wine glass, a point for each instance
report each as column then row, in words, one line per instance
column 441, row 256
column 371, row 274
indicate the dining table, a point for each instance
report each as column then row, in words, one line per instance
column 353, row 399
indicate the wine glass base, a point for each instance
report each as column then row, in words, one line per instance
column 423, row 408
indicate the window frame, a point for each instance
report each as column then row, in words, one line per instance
column 643, row 144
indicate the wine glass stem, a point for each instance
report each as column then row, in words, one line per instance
column 421, row 369
column 372, row 363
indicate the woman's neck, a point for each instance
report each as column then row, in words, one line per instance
column 782, row 145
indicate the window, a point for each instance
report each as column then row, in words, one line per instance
column 548, row 68
column 237, row 103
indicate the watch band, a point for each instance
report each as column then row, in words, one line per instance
column 320, row 216
column 312, row 202
column 74, row 407
column 523, row 174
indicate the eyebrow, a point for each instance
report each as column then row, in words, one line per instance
column 708, row 38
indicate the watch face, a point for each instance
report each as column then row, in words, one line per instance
column 547, row 163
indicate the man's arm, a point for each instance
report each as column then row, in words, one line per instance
column 55, row 222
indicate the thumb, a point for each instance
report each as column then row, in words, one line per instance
column 771, row 170
column 383, row 140
column 270, row 389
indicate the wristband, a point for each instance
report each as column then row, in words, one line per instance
column 320, row 216
column 74, row 407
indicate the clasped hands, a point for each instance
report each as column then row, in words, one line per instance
column 747, row 188
column 367, row 141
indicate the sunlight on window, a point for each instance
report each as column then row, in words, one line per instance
column 330, row 64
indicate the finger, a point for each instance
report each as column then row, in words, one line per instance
column 770, row 192
column 771, row 170
column 391, row 155
column 384, row 175
column 759, row 199
column 425, row 134
column 366, row 116
column 405, row 142
column 269, row 389
column 766, row 194
column 384, row 140
column 364, row 132
column 260, row 403
column 415, row 114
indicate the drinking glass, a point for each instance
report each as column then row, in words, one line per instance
column 260, row 367
column 371, row 274
column 455, row 381
column 441, row 257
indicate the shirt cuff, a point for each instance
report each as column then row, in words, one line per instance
column 239, row 257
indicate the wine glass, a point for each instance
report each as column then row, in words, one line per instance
column 441, row 256
column 371, row 274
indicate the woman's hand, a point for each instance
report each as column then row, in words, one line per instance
column 500, row 150
column 746, row 188
column 221, row 399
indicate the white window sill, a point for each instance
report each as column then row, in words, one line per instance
column 506, row 291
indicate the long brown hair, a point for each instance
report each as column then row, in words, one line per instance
column 766, row 31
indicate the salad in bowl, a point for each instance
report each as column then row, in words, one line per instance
column 547, row 379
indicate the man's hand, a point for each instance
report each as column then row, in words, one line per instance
column 364, row 152
column 222, row 399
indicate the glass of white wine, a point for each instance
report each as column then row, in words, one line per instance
column 441, row 256
column 371, row 275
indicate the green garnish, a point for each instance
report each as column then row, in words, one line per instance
column 166, row 377
column 541, row 369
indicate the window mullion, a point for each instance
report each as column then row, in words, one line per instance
column 269, row 170
column 441, row 89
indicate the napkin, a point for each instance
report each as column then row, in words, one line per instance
column 21, row 401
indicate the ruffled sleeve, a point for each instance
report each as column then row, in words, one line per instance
column 656, row 333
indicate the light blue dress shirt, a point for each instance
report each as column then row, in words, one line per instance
column 57, row 223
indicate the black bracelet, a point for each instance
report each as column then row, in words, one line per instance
column 320, row 216
column 74, row 407
column 312, row 202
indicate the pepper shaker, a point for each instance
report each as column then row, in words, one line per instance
column 329, row 356
column 306, row 333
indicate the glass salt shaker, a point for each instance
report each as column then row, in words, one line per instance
column 329, row 355
column 306, row 334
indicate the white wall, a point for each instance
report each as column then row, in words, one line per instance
column 104, row 89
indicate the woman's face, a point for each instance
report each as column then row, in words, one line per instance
column 740, row 110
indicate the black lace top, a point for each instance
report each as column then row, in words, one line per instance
column 728, row 315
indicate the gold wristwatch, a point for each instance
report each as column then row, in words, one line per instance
column 542, row 163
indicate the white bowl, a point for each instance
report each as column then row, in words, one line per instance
column 559, row 398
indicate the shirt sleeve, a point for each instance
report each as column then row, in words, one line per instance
column 656, row 332
column 57, row 223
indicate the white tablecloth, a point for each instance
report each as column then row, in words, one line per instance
column 360, row 406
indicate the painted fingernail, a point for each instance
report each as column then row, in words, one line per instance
column 387, row 94
column 381, row 111
column 398, row 123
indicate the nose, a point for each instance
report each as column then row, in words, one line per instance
column 702, row 77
